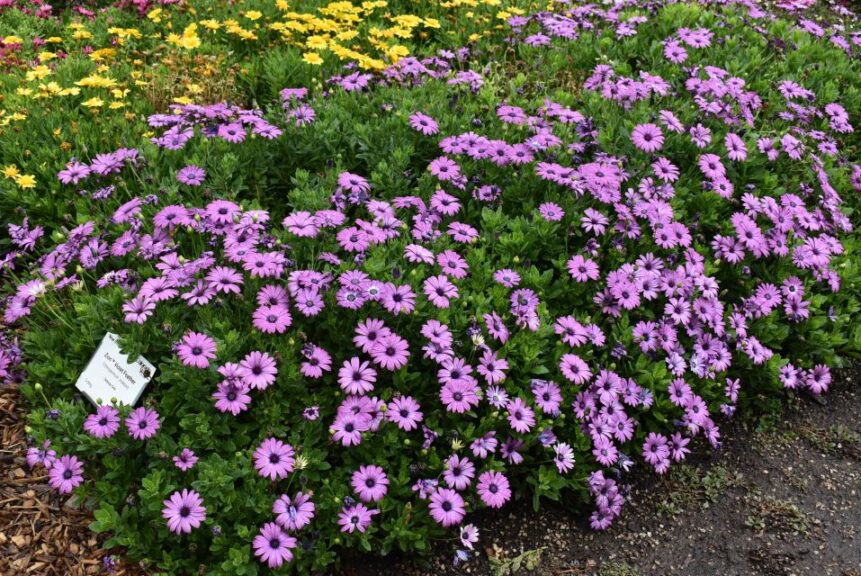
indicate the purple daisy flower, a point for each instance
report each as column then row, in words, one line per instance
column 551, row 211
column 225, row 280
column 356, row 517
column 184, row 511
column 142, row 423
column 294, row 514
column 138, row 309
column 458, row 473
column 274, row 459
column 493, row 489
column 446, row 507
column 353, row 183
column 232, row 396
column 272, row 545
column 258, row 370
column 272, row 319
column 370, row 483
column 547, row 396
column 507, row 277
column 73, row 173
column 520, row 415
column 104, row 423
column 424, row 124
column 196, row 350
column 233, row 132
column 404, row 411
column 583, row 269
column 574, row 368
column 318, row 361
column 391, row 352
column 347, row 429
column 65, row 474
column 564, row 458
column 356, row 376
column 186, row 460
column 44, row 455
column 191, row 175
column 468, row 535
column 647, row 137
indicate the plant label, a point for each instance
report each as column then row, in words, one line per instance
column 109, row 375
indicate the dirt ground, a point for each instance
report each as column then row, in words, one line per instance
column 780, row 499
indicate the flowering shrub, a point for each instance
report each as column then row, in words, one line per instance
column 109, row 64
column 382, row 304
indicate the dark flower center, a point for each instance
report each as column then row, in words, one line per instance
column 184, row 511
column 67, row 474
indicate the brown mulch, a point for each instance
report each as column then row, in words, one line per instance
column 41, row 533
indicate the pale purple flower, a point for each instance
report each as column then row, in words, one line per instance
column 184, row 511
column 446, row 507
column 142, row 423
column 65, row 474
column 273, row 546
column 370, row 483
column 274, row 459
column 104, row 423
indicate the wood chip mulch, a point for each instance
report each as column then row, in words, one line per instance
column 41, row 532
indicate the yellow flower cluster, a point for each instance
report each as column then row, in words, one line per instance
column 25, row 181
column 119, row 57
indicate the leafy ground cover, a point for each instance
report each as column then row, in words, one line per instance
column 384, row 291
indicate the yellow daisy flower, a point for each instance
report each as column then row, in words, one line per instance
column 312, row 58
column 26, row 181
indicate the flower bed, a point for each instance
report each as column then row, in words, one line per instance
column 110, row 64
column 389, row 301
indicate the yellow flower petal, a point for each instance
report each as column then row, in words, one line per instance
column 312, row 58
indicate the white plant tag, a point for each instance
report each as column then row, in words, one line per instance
column 109, row 374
